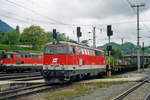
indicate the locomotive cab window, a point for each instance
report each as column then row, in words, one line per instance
column 3, row 56
column 58, row 50
column 7, row 56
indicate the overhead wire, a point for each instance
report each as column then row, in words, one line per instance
column 145, row 26
column 26, row 8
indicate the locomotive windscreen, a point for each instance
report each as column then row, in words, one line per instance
column 6, row 56
column 58, row 50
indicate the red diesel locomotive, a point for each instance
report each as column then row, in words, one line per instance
column 20, row 61
column 65, row 61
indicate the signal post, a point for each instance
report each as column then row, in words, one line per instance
column 109, row 49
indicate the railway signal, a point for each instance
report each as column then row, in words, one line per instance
column 109, row 33
column 54, row 34
column 109, row 48
column 79, row 33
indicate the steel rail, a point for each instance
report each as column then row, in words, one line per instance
column 28, row 78
column 124, row 94
column 27, row 73
column 20, row 76
column 147, row 97
column 23, row 91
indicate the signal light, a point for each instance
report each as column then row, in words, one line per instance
column 109, row 31
column 79, row 34
column 54, row 34
column 109, row 48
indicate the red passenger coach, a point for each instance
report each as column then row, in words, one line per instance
column 20, row 61
column 65, row 61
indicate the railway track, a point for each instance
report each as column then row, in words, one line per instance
column 14, row 93
column 29, row 78
column 147, row 96
column 135, row 92
column 21, row 77
column 14, row 74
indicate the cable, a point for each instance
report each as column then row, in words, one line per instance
column 131, row 6
column 21, row 18
column 36, row 12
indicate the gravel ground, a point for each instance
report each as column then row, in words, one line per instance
column 103, row 93
column 106, row 93
column 140, row 93
column 114, row 90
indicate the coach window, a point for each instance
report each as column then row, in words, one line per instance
column 82, row 51
column 86, row 52
column 93, row 53
column 26, row 56
column 29, row 56
column 70, row 50
column 74, row 50
column 22, row 56
column 34, row 56
column 39, row 56
column 98, row 53
column 90, row 52
column 79, row 50
column 18, row 56
column 10, row 56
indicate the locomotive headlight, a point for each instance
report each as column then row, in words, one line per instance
column 63, row 72
column 45, row 67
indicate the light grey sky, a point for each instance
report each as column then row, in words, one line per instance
column 66, row 15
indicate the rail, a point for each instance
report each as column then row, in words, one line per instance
column 124, row 94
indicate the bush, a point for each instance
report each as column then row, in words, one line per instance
column 15, row 48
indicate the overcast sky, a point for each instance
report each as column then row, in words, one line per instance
column 66, row 15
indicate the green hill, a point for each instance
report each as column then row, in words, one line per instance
column 4, row 27
column 127, row 47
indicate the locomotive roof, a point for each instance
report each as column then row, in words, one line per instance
column 70, row 43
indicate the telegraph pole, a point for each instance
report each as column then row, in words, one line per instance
column 143, row 60
column 94, row 37
column 122, row 41
column 138, row 42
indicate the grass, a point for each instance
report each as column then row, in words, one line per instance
column 11, row 48
column 78, row 89
column 116, row 76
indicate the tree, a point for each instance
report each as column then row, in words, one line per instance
column 35, row 36
column 60, row 37
column 17, row 28
column 1, row 36
column 85, row 42
column 49, row 37
column 11, row 37
column 117, row 53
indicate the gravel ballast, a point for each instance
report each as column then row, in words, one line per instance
column 106, row 93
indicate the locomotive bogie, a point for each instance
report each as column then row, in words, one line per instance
column 70, row 75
